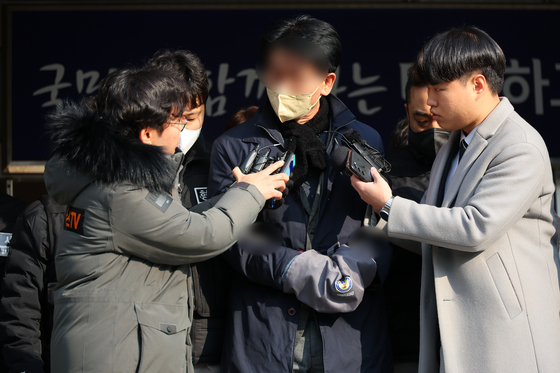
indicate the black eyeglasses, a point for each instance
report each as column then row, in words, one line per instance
column 180, row 125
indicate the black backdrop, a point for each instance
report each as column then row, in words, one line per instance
column 59, row 54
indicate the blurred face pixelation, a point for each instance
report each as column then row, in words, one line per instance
column 418, row 111
column 288, row 73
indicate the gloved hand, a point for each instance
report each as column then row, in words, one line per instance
column 373, row 242
column 280, row 202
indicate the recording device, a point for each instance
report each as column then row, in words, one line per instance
column 256, row 162
column 289, row 164
column 259, row 158
column 357, row 158
column 287, row 168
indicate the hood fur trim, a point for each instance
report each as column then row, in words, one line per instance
column 96, row 149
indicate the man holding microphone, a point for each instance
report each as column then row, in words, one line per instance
column 490, row 297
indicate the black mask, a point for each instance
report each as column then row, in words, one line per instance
column 428, row 142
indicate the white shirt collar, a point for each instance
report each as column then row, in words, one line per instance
column 455, row 163
column 468, row 138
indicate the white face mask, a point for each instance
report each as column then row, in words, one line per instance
column 187, row 139
column 290, row 107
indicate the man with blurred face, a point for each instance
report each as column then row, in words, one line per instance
column 490, row 295
column 288, row 74
column 301, row 302
column 410, row 175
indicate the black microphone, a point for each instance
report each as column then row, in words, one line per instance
column 353, row 136
column 339, row 158
column 353, row 163
column 344, row 159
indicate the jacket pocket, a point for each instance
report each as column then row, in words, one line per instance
column 162, row 337
column 504, row 285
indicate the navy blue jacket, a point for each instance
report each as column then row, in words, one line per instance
column 262, row 321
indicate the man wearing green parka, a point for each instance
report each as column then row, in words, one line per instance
column 123, row 302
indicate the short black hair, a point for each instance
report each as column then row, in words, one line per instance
column 413, row 80
column 320, row 33
column 190, row 67
column 132, row 99
column 455, row 53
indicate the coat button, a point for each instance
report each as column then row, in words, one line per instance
column 291, row 311
column 169, row 329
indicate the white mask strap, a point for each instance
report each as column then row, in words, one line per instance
column 316, row 102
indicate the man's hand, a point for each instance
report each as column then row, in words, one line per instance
column 270, row 186
column 376, row 193
column 280, row 202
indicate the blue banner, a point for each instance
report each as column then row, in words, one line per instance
column 58, row 54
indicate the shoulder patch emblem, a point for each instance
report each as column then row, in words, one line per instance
column 343, row 286
column 74, row 221
column 201, row 194
column 160, row 201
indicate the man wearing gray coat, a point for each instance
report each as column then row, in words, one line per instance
column 490, row 298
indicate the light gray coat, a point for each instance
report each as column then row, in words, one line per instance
column 490, row 281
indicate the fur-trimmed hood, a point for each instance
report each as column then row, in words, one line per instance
column 86, row 143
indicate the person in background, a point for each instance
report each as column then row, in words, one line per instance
column 302, row 300
column 123, row 300
column 210, row 279
column 194, row 175
column 240, row 116
column 399, row 136
column 10, row 209
column 26, row 304
column 410, row 175
column 412, row 162
column 490, row 299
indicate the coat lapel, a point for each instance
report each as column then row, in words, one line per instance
column 477, row 145
column 439, row 167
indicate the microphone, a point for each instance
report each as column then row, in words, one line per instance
column 344, row 159
column 354, row 163
column 339, row 157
